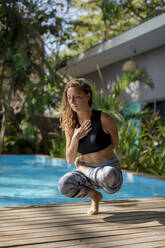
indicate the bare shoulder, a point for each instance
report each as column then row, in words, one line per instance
column 106, row 117
column 107, row 122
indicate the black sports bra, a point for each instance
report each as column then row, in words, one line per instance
column 96, row 139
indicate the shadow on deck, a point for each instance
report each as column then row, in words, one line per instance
column 128, row 223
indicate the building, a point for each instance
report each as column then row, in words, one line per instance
column 143, row 44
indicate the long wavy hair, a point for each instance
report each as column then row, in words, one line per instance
column 68, row 118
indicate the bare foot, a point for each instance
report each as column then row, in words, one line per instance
column 95, row 204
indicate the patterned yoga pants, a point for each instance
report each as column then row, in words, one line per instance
column 106, row 176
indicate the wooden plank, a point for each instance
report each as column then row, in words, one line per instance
column 110, row 226
column 157, row 244
column 57, row 215
column 65, row 212
column 113, row 217
column 119, row 243
column 67, row 222
column 137, row 224
column 91, row 228
column 78, row 209
column 5, row 236
column 85, row 239
column 83, row 210
column 62, row 213
column 152, row 244
column 78, row 205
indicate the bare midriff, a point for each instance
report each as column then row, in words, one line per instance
column 98, row 157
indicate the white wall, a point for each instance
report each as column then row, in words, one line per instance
column 153, row 61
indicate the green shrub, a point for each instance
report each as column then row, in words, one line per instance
column 148, row 154
column 58, row 146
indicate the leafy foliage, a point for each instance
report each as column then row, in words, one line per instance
column 147, row 152
column 144, row 152
column 58, row 146
column 28, row 78
column 25, row 140
column 112, row 102
column 99, row 20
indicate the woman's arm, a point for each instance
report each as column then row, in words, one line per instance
column 72, row 142
column 109, row 126
column 71, row 148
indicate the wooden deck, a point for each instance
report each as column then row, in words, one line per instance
column 132, row 223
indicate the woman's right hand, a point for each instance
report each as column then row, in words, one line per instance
column 83, row 130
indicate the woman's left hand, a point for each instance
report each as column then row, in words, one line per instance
column 78, row 161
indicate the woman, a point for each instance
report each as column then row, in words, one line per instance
column 94, row 135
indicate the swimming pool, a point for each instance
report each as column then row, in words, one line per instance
column 28, row 180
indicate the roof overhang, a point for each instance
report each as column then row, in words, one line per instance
column 142, row 38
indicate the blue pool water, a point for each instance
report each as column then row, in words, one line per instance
column 27, row 180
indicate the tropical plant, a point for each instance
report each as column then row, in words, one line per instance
column 127, row 151
column 26, row 139
column 111, row 101
column 143, row 152
column 58, row 146
column 152, row 157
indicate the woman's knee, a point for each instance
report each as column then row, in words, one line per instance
column 106, row 173
column 65, row 184
column 111, row 176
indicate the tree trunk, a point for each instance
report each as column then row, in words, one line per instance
column 5, row 113
column 3, row 128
